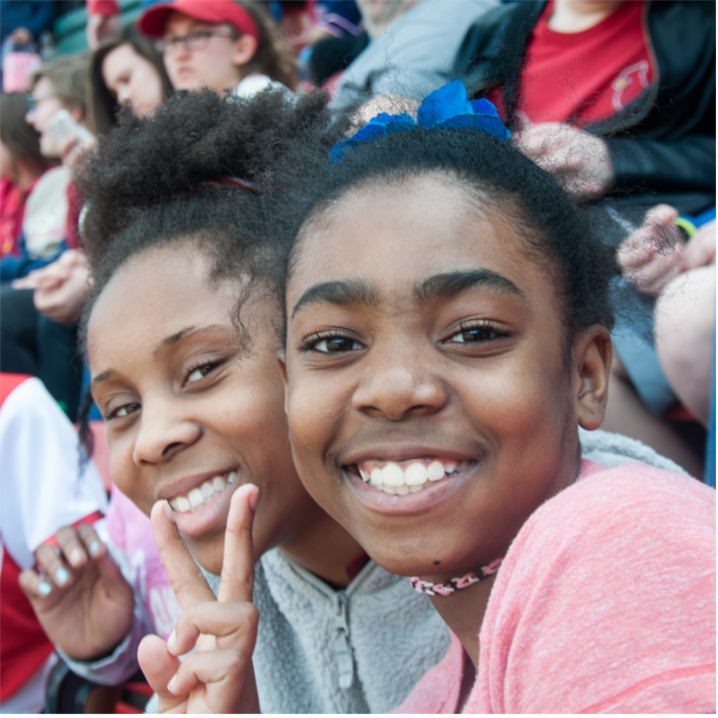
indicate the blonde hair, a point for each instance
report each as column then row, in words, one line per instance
column 69, row 77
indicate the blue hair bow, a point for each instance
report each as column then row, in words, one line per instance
column 447, row 107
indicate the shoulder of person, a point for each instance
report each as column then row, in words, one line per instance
column 631, row 507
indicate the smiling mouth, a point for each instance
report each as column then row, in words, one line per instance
column 196, row 498
column 411, row 476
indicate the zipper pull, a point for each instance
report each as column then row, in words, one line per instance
column 341, row 648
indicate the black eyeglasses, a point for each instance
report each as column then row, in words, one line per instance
column 197, row 40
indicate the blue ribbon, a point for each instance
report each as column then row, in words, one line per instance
column 447, row 107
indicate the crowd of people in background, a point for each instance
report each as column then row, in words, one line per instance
column 214, row 184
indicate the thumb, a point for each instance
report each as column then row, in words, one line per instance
column 159, row 666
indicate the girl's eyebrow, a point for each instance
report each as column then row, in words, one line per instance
column 450, row 284
column 188, row 332
column 356, row 291
column 341, row 293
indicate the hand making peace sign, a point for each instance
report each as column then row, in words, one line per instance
column 218, row 677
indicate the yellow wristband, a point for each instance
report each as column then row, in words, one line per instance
column 686, row 225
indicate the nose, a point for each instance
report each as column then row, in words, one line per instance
column 124, row 96
column 163, row 433
column 399, row 386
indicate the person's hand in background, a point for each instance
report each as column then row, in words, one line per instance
column 578, row 159
column 80, row 597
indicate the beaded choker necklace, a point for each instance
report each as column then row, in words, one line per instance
column 456, row 584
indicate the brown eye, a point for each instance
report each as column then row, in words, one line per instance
column 335, row 345
column 475, row 335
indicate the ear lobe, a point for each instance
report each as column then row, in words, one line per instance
column 592, row 362
column 245, row 49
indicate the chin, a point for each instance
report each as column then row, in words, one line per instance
column 208, row 556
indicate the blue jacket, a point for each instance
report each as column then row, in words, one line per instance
column 16, row 267
column 34, row 15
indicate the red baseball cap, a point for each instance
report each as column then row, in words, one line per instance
column 153, row 20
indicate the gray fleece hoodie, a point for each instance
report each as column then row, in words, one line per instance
column 357, row 650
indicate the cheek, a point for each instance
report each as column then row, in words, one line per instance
column 126, row 474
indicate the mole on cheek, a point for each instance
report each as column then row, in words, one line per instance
column 436, row 562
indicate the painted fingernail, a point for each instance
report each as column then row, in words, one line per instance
column 94, row 548
column 173, row 682
column 76, row 556
column 171, row 640
column 44, row 588
column 62, row 576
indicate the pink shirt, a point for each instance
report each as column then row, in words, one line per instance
column 131, row 532
column 605, row 603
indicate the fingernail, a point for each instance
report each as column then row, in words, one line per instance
column 253, row 498
column 173, row 682
column 62, row 576
column 44, row 588
column 94, row 548
column 171, row 640
column 76, row 556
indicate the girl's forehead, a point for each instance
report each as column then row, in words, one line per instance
column 412, row 227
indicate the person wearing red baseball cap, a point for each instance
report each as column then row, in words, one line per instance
column 224, row 45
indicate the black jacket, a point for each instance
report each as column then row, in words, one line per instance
column 662, row 145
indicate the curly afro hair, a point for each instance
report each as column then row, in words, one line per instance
column 156, row 181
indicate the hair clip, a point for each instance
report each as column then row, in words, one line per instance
column 447, row 107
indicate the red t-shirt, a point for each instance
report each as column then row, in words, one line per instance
column 583, row 77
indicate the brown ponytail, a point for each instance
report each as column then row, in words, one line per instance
column 273, row 58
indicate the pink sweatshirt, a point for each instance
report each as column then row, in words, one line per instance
column 131, row 532
column 605, row 603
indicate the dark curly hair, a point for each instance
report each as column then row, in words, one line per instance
column 155, row 182
column 554, row 229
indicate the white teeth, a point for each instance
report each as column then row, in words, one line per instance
column 196, row 498
column 377, row 477
column 395, row 478
column 393, row 475
column 416, row 474
column 182, row 504
column 201, row 494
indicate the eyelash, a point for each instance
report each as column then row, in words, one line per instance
column 488, row 331
column 313, row 340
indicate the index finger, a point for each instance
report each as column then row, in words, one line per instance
column 187, row 580
column 237, row 583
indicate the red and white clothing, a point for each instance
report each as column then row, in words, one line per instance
column 583, row 77
column 41, row 490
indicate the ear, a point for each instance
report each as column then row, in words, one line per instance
column 245, row 48
column 281, row 360
column 592, row 353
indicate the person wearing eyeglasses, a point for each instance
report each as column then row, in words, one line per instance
column 223, row 45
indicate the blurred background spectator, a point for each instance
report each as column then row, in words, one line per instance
column 44, row 486
column 412, row 47
column 37, row 316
